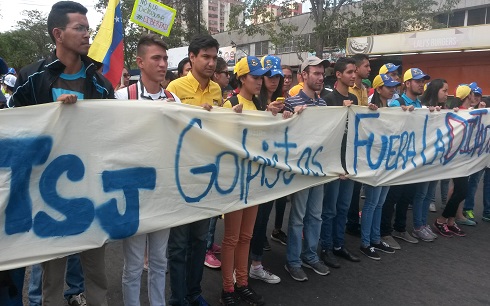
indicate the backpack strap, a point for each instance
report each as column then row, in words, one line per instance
column 233, row 100
column 401, row 101
column 168, row 94
column 133, row 92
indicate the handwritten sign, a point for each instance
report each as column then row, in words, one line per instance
column 80, row 175
column 391, row 147
column 153, row 15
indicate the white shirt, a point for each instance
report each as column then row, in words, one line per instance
column 122, row 94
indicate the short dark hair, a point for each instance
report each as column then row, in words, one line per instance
column 342, row 63
column 202, row 42
column 359, row 58
column 170, row 76
column 221, row 64
column 149, row 40
column 180, row 67
column 58, row 17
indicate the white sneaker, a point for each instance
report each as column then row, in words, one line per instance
column 432, row 207
column 264, row 275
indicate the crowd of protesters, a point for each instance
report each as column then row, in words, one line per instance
column 319, row 216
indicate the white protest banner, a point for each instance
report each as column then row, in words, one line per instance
column 154, row 16
column 391, row 146
column 76, row 176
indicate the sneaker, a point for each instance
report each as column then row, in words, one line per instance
column 465, row 221
column 216, row 249
column 391, row 242
column 228, row 298
column 248, row 295
column 267, row 246
column 442, row 229
column 430, row 231
column 319, row 267
column 211, row 261
column 77, row 300
column 423, row 235
column 469, row 214
column 346, row 254
column 486, row 217
column 432, row 207
column 263, row 275
column 297, row 274
column 329, row 259
column 456, row 230
column 370, row 252
column 280, row 237
column 404, row 236
column 383, row 247
column 200, row 301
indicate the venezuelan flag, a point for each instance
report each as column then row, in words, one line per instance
column 108, row 45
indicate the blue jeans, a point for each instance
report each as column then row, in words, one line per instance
column 431, row 192
column 418, row 204
column 74, row 280
column 473, row 181
column 212, row 229
column 371, row 214
column 336, row 201
column 134, row 258
column 305, row 219
column 186, row 254
column 17, row 277
column 260, row 229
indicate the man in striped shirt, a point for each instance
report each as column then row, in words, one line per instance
column 307, row 203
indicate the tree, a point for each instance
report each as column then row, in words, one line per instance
column 28, row 43
column 184, row 28
column 335, row 20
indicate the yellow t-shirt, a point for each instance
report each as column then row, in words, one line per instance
column 295, row 89
column 360, row 93
column 188, row 90
column 247, row 104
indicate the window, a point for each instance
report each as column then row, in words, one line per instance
column 456, row 19
column 476, row 16
column 442, row 19
column 297, row 43
column 261, row 48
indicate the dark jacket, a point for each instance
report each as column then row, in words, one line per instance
column 35, row 82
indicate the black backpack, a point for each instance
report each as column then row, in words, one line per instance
column 234, row 101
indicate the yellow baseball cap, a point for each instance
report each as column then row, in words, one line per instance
column 415, row 74
column 463, row 91
column 250, row 65
column 390, row 67
column 384, row 80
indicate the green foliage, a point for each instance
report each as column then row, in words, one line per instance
column 28, row 43
column 184, row 28
column 336, row 20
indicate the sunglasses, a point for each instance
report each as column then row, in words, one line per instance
column 126, row 75
column 227, row 73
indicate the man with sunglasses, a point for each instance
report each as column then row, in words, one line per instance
column 66, row 76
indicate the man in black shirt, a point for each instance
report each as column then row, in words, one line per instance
column 338, row 194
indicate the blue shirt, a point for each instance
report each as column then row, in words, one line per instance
column 408, row 102
column 72, row 84
column 302, row 99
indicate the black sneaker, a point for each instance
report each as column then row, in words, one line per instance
column 329, row 259
column 370, row 252
column 228, row 298
column 267, row 246
column 456, row 230
column 280, row 237
column 442, row 229
column 383, row 247
column 249, row 296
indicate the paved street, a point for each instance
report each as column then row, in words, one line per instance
column 449, row 271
